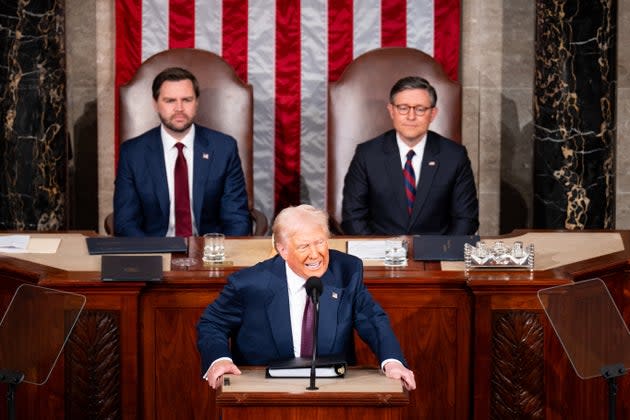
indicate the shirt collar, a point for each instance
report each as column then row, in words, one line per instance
column 294, row 282
column 169, row 141
column 403, row 147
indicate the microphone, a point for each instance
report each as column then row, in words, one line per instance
column 314, row 287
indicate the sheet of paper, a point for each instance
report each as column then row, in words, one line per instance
column 367, row 249
column 33, row 245
column 14, row 243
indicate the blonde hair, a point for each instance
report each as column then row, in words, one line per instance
column 291, row 219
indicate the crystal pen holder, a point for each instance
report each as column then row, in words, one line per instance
column 499, row 256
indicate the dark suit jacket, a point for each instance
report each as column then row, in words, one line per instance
column 141, row 201
column 374, row 200
column 253, row 309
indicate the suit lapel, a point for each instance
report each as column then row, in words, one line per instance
column 428, row 169
column 394, row 173
column 278, row 308
column 156, row 167
column 328, row 310
column 203, row 157
column 277, row 303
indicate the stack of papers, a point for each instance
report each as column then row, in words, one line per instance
column 368, row 249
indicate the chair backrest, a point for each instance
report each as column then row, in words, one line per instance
column 357, row 108
column 225, row 102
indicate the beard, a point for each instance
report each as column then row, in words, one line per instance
column 182, row 128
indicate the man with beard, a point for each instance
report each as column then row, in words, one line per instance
column 179, row 179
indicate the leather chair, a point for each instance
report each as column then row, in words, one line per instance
column 225, row 104
column 357, row 109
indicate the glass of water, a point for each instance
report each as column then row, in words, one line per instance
column 396, row 252
column 213, row 248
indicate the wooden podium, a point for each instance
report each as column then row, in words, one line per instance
column 363, row 394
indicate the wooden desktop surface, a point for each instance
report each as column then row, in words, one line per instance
column 479, row 344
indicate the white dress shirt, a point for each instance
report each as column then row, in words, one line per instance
column 416, row 161
column 170, row 156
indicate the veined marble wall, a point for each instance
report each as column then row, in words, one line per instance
column 33, row 114
column 575, row 110
column 497, row 74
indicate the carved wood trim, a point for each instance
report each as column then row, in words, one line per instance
column 92, row 367
column 517, row 375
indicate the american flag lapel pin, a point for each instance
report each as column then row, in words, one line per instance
column 335, row 295
column 432, row 163
column 205, row 156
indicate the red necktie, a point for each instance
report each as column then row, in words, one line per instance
column 308, row 324
column 410, row 181
column 183, row 221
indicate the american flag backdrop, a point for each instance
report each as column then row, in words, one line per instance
column 289, row 50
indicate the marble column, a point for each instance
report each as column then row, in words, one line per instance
column 33, row 152
column 574, row 114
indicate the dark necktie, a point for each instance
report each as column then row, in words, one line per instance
column 308, row 323
column 410, row 181
column 183, row 221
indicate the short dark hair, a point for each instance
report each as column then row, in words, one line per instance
column 173, row 74
column 413, row 82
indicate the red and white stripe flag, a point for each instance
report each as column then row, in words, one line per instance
column 288, row 50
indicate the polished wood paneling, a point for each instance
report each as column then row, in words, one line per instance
column 480, row 345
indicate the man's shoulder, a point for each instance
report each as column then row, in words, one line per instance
column 376, row 142
column 444, row 142
column 269, row 265
column 209, row 134
column 343, row 259
column 147, row 138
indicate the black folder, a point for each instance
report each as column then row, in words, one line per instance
column 300, row 367
column 135, row 245
column 131, row 268
column 441, row 247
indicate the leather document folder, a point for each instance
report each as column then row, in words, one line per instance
column 441, row 247
column 131, row 268
column 135, row 245
column 300, row 367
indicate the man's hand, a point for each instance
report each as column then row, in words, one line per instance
column 215, row 373
column 396, row 370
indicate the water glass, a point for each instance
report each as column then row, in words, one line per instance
column 396, row 252
column 213, row 248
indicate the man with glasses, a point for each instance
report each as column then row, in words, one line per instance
column 410, row 180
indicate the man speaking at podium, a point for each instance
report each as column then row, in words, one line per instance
column 257, row 318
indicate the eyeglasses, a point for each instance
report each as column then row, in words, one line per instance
column 419, row 110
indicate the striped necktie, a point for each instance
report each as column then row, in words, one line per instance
column 410, row 181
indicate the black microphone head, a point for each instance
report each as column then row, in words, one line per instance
column 313, row 284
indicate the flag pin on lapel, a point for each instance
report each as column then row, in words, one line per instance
column 335, row 295
column 432, row 163
column 205, row 156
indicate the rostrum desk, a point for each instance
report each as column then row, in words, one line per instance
column 480, row 345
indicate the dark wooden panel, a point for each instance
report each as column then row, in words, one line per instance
column 93, row 367
column 313, row 413
column 516, row 384
column 173, row 387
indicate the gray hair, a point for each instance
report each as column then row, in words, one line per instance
column 291, row 219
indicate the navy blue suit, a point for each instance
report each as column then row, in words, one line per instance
column 253, row 310
column 219, row 198
column 374, row 201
